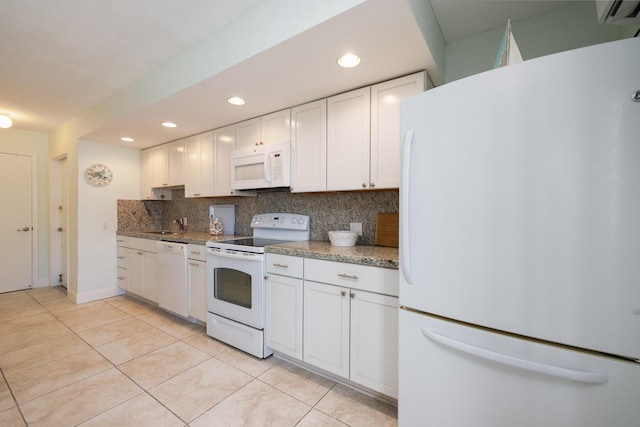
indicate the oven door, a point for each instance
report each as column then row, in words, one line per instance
column 235, row 286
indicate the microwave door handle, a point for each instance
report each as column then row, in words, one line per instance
column 267, row 167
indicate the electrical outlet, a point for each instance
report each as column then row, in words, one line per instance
column 356, row 227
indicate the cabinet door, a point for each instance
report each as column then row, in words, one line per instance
column 159, row 166
column 175, row 163
column 326, row 327
column 283, row 328
column 309, row 147
column 150, row 289
column 275, row 127
column 199, row 166
column 146, row 165
column 224, row 142
column 385, row 127
column 135, row 271
column 348, row 130
column 248, row 133
column 374, row 342
column 123, row 279
column 197, row 276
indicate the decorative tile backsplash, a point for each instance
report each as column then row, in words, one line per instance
column 328, row 211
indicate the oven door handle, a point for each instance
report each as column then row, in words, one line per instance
column 240, row 255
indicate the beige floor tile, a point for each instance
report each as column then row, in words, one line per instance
column 20, row 339
column 245, row 362
column 27, row 322
column 297, row 382
column 20, row 309
column 135, row 345
column 47, row 294
column 160, row 365
column 66, row 309
column 12, row 298
column 113, row 331
column 11, row 418
column 180, row 328
column 356, row 409
column 81, row 400
column 316, row 418
column 140, row 411
column 196, row 390
column 155, row 317
column 204, row 342
column 40, row 353
column 32, row 382
column 130, row 305
column 6, row 400
column 256, row 404
column 92, row 320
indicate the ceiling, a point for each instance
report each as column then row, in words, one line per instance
column 59, row 59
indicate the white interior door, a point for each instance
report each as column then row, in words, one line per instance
column 16, row 229
column 63, row 222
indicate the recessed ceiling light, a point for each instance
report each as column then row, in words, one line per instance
column 5, row 121
column 127, row 139
column 349, row 60
column 169, row 125
column 235, row 100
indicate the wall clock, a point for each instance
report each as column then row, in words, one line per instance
column 98, row 174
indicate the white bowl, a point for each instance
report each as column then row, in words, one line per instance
column 343, row 238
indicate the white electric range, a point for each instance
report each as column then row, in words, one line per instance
column 236, row 272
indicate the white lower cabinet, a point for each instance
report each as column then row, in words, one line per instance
column 197, row 277
column 318, row 312
column 141, row 270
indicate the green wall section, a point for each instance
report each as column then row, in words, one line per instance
column 569, row 27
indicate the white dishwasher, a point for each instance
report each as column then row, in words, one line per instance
column 172, row 277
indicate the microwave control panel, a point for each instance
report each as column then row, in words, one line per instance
column 276, row 166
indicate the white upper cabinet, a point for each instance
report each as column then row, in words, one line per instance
column 363, row 138
column 309, row 147
column 175, row 163
column 274, row 127
column 224, row 142
column 348, row 129
column 167, row 162
column 385, row 127
column 149, row 158
column 199, row 162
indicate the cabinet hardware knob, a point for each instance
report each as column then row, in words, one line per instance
column 266, row 277
column 343, row 293
column 23, row 229
column 277, row 264
column 364, row 185
column 139, row 253
column 372, row 184
column 352, row 295
column 348, row 276
column 60, row 229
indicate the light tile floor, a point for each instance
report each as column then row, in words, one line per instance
column 121, row 362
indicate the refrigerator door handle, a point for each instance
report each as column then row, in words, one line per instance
column 528, row 365
column 404, row 208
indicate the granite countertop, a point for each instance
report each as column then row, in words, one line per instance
column 376, row 256
column 193, row 237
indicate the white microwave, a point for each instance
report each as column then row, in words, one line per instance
column 263, row 166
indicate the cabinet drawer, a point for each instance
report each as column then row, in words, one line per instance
column 122, row 241
column 147, row 245
column 354, row 276
column 197, row 252
column 122, row 257
column 285, row 265
column 122, row 278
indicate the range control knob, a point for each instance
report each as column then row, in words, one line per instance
column 294, row 220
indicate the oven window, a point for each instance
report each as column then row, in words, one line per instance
column 232, row 286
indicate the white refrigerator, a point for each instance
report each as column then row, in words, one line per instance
column 520, row 245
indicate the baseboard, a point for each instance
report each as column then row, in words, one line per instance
column 81, row 298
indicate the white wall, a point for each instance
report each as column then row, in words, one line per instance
column 96, row 256
column 35, row 144
column 569, row 27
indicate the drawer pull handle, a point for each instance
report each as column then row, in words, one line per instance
column 195, row 252
column 348, row 276
column 120, row 257
column 195, row 264
column 277, row 264
column 120, row 278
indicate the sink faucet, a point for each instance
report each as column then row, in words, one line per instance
column 182, row 222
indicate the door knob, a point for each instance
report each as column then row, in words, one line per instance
column 24, row 229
